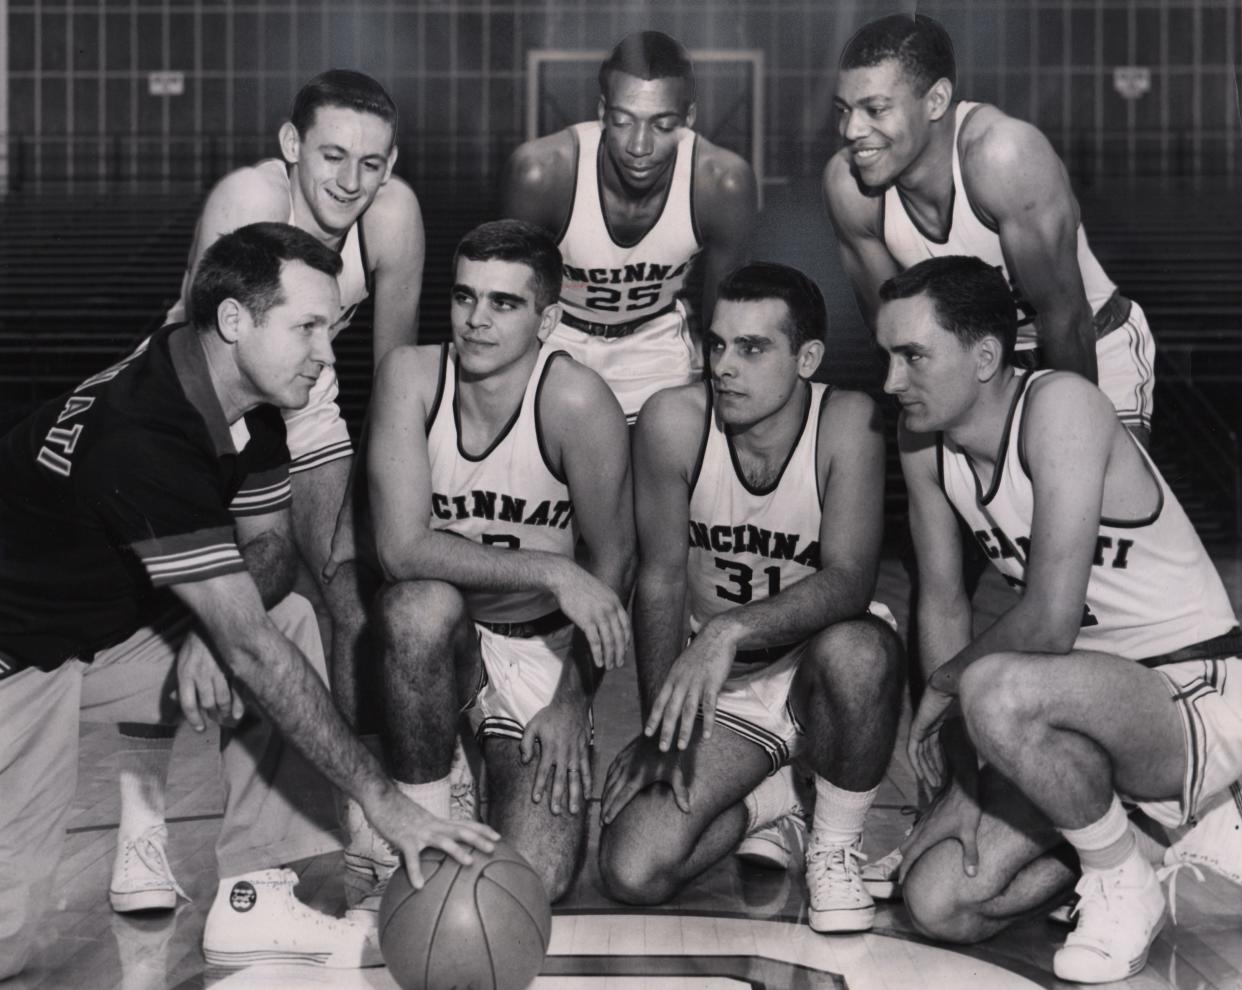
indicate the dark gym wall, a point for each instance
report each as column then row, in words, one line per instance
column 79, row 106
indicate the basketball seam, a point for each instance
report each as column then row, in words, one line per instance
column 534, row 921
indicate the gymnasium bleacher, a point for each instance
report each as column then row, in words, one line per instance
column 83, row 277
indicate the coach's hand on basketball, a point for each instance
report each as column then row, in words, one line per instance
column 955, row 814
column 594, row 608
column 204, row 689
column 637, row 766
column 924, row 748
column 411, row 829
column 694, row 682
column 560, row 734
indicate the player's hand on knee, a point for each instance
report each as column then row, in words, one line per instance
column 954, row 815
column 639, row 765
column 559, row 735
column 594, row 608
column 693, row 683
column 204, row 690
column 411, row 829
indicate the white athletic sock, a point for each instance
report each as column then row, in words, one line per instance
column 770, row 800
column 433, row 796
column 143, row 773
column 839, row 814
column 1107, row 842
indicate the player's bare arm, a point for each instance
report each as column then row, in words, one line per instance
column 857, row 219
column 538, row 184
column 396, row 242
column 851, row 468
column 725, row 204
column 665, row 451
column 1017, row 180
column 399, row 474
column 245, row 195
column 1067, row 441
column 586, row 436
column 1068, row 454
column 286, row 687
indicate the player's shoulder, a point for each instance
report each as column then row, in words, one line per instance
column 571, row 388
column 719, row 168
column 991, row 140
column 673, row 420
column 849, row 407
column 259, row 191
column 851, row 205
column 395, row 202
column 1065, row 396
column 544, row 163
column 414, row 368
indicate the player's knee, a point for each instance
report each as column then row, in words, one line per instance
column 998, row 692
column 856, row 658
column 630, row 872
column 557, row 876
column 425, row 610
column 940, row 904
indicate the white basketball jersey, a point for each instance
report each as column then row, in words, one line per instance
column 971, row 234
column 1152, row 589
column 605, row 281
column 354, row 280
column 506, row 496
column 746, row 543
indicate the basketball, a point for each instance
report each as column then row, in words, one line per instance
column 484, row 926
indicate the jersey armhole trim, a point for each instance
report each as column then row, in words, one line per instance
column 694, row 213
column 983, row 218
column 819, row 433
column 940, row 466
column 1002, row 455
column 441, row 380
column 368, row 273
column 707, row 426
column 539, row 437
column 573, row 187
column 1151, row 473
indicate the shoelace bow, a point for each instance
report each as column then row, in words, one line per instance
column 838, row 864
column 149, row 848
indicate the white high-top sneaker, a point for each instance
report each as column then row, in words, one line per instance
column 1120, row 913
column 142, row 880
column 368, row 856
column 778, row 842
column 1215, row 840
column 256, row 919
column 463, row 788
column 839, row 901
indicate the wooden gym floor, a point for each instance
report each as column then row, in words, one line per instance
column 734, row 927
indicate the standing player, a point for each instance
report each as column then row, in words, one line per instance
column 488, row 458
column 769, row 512
column 335, row 182
column 922, row 176
column 1116, row 675
column 632, row 200
column 117, row 532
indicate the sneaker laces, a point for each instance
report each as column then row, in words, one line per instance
column 1171, row 872
column 148, row 846
column 840, row 862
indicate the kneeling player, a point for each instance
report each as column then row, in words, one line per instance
column 760, row 493
column 1115, row 675
column 488, row 458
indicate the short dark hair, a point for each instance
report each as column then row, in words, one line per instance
column 758, row 280
column 342, row 88
column 245, row 265
column 972, row 298
column 920, row 44
column 517, row 240
column 650, row 55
